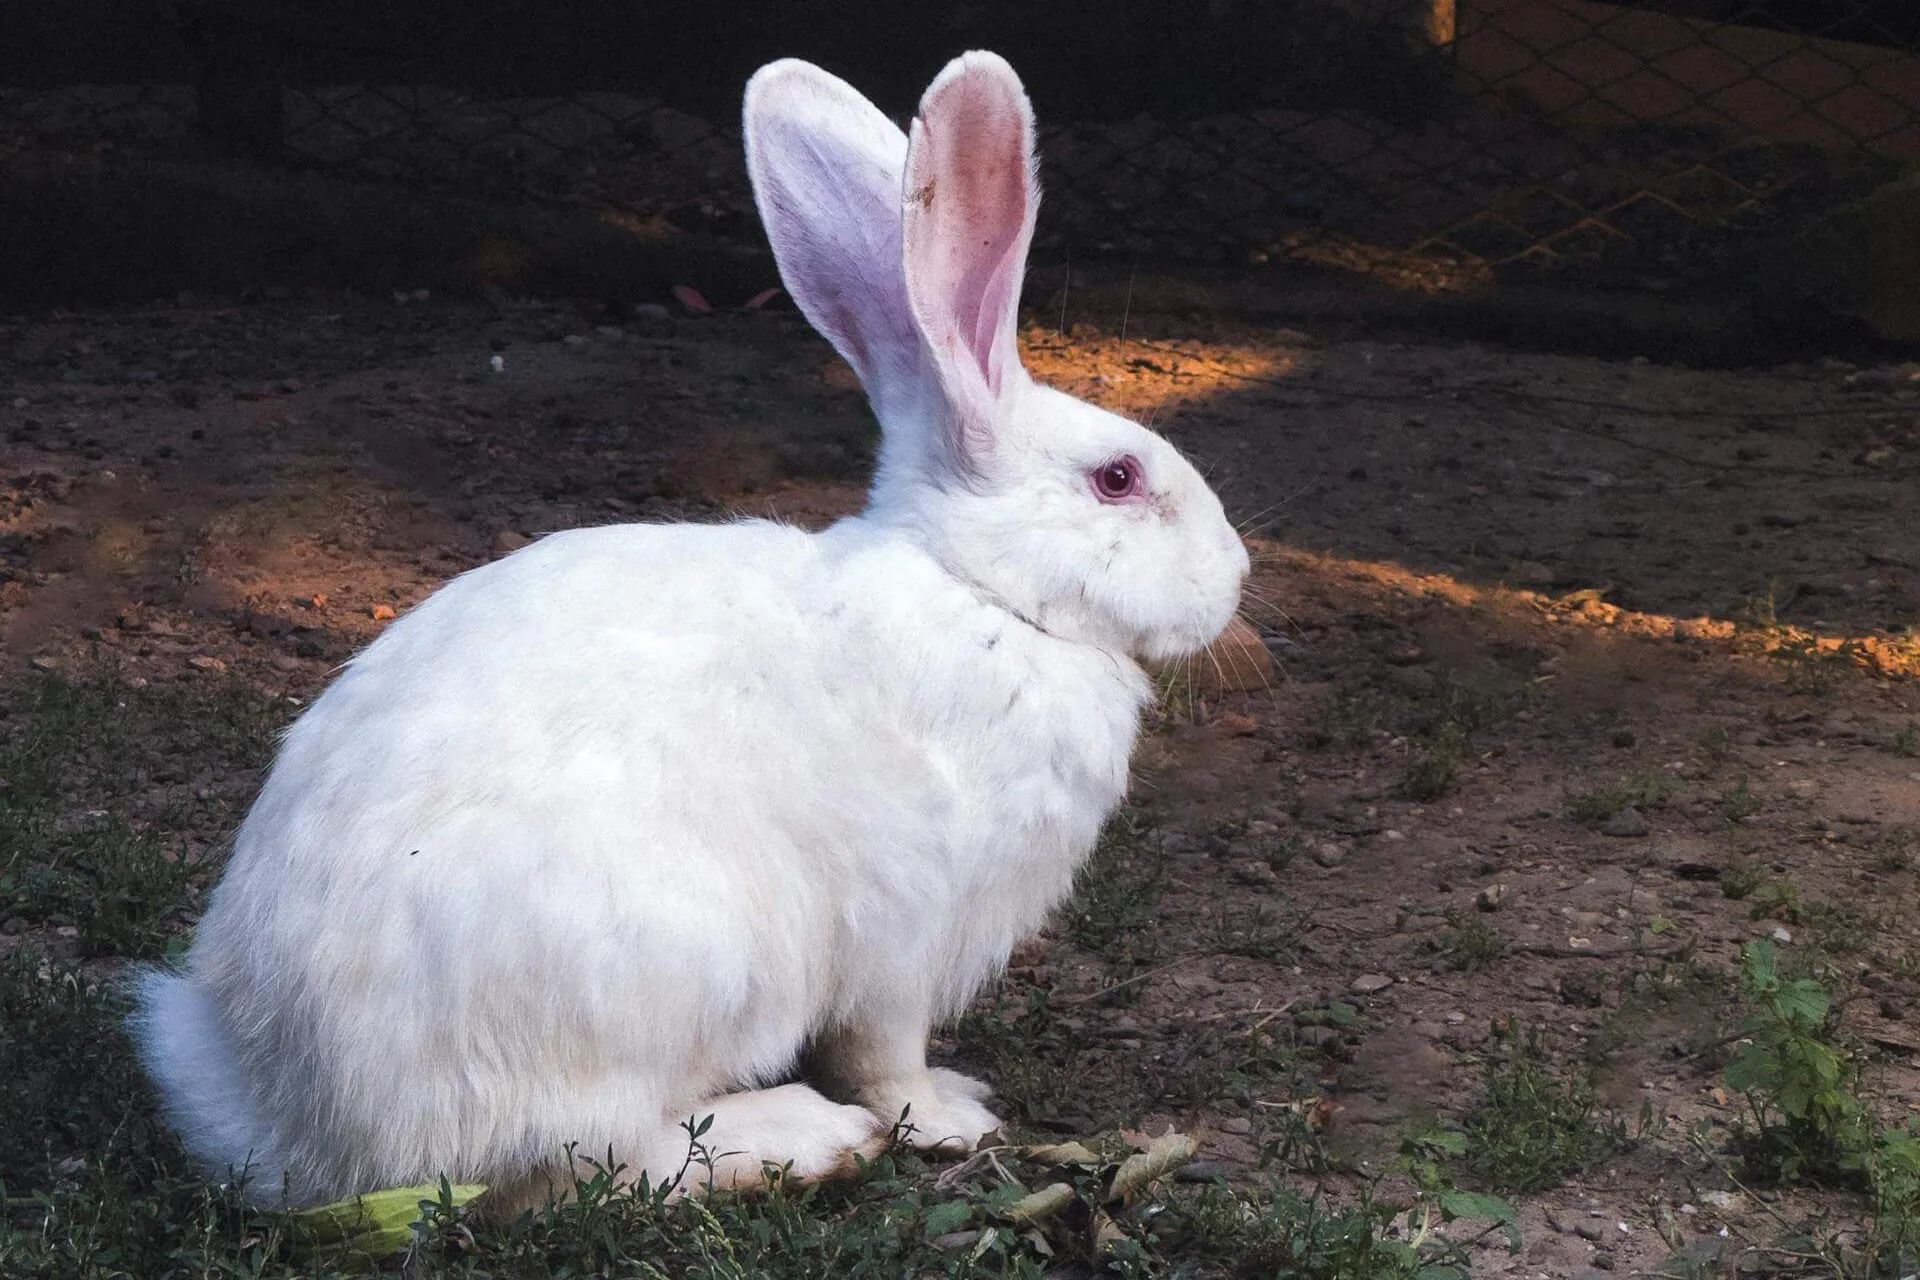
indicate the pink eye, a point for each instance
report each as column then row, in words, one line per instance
column 1118, row 480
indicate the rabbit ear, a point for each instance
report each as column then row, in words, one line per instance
column 971, row 198
column 826, row 168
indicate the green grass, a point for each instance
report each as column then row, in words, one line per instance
column 77, row 757
column 95, row 1187
column 1117, row 893
column 110, row 794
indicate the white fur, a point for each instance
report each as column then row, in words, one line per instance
column 603, row 835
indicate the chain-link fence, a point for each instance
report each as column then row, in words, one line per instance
column 1436, row 144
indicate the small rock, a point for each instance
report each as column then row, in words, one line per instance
column 1629, row 823
column 1490, row 898
column 1329, row 855
column 651, row 311
column 1781, row 934
column 574, row 340
column 1236, row 1125
column 1456, row 1018
column 45, row 662
column 1200, row 1171
column 1595, row 1231
column 1602, row 1259
column 954, row 1240
column 206, row 662
column 1368, row 983
column 318, row 600
column 1531, row 573
column 1719, row 1199
column 507, row 541
column 383, row 613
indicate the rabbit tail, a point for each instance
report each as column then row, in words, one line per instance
column 186, row 1048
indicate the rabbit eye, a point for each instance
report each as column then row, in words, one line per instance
column 1118, row 480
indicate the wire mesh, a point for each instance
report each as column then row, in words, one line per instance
column 1642, row 139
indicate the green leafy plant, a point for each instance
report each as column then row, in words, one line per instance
column 1808, row 1124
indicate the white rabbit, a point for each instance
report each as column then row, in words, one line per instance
column 618, row 830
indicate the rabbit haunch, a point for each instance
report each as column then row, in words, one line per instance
column 617, row 831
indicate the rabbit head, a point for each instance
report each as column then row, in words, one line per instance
column 907, row 251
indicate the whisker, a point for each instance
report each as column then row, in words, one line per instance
column 1065, row 290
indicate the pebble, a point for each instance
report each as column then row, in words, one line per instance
column 44, row 662
column 1233, row 724
column 1456, row 1018
column 1490, row 898
column 1595, row 1231
column 574, row 340
column 1236, row 1124
column 1329, row 855
column 1719, row 1199
column 1368, row 983
column 1629, row 823
column 206, row 662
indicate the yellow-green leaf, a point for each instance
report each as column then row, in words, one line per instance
column 371, row 1226
column 1040, row 1205
column 1064, row 1153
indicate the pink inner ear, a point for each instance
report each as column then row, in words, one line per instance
column 970, row 206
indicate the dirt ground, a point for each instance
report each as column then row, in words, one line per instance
column 1585, row 675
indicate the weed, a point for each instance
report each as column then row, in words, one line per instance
column 1740, row 878
column 1436, row 770
column 1532, row 1130
column 1906, row 741
column 1259, row 931
column 1740, row 802
column 1649, row 789
column 1469, row 943
column 1892, row 850
column 1308, row 1237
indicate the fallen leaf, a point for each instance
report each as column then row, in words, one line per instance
column 1040, row 1205
column 1163, row 1155
column 692, row 299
